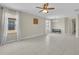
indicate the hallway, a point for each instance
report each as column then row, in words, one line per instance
column 52, row 44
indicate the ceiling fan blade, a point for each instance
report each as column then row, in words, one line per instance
column 40, row 10
column 39, row 7
column 50, row 8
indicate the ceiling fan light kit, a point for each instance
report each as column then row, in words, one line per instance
column 45, row 11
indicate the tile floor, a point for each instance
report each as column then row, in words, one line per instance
column 52, row 44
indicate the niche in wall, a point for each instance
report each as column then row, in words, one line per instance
column 35, row 21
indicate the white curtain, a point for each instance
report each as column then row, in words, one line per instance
column 5, row 16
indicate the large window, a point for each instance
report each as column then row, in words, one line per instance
column 11, row 23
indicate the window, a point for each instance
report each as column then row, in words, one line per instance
column 11, row 23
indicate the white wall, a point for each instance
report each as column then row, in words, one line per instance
column 77, row 26
column 28, row 29
column 0, row 24
column 47, row 26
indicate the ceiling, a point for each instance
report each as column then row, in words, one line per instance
column 61, row 9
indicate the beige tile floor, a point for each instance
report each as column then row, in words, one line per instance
column 52, row 44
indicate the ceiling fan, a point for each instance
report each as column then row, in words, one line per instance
column 45, row 8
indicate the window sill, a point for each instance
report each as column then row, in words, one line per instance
column 11, row 31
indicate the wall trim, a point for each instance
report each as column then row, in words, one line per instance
column 33, row 36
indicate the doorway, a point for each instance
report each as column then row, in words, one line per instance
column 73, row 26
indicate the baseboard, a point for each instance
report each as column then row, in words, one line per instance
column 33, row 36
